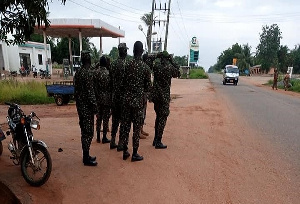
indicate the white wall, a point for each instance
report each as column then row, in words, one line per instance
column 12, row 58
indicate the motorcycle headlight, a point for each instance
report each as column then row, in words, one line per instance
column 35, row 124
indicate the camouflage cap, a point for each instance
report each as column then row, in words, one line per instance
column 122, row 46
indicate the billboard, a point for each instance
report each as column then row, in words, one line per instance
column 156, row 46
column 194, row 50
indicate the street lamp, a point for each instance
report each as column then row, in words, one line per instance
column 148, row 38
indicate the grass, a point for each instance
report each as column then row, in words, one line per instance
column 196, row 74
column 295, row 84
column 30, row 92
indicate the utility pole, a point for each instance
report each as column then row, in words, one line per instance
column 167, row 27
column 151, row 24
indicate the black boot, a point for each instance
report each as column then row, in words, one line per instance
column 93, row 158
column 113, row 146
column 160, row 145
column 120, row 148
column 105, row 140
column 87, row 159
column 154, row 141
column 126, row 154
column 113, row 143
column 136, row 156
column 98, row 136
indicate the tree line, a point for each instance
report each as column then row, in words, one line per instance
column 269, row 54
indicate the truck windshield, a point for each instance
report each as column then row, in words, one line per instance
column 232, row 70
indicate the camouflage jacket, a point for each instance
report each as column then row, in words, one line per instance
column 102, row 86
column 117, row 76
column 137, row 81
column 162, row 81
column 83, row 88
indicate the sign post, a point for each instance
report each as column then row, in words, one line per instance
column 194, row 51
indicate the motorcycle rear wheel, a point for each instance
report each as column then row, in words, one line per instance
column 38, row 173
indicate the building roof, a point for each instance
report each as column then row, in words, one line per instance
column 65, row 27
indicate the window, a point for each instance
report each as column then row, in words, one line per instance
column 40, row 59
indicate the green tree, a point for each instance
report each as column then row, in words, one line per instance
column 244, row 58
column 114, row 53
column 181, row 61
column 20, row 17
column 283, row 58
column 267, row 50
column 294, row 59
column 146, row 18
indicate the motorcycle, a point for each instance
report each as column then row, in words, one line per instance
column 44, row 74
column 31, row 154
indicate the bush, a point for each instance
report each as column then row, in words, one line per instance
column 295, row 84
column 30, row 92
column 197, row 74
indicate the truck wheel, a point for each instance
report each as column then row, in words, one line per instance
column 224, row 83
column 59, row 100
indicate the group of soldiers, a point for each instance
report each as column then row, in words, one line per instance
column 286, row 80
column 121, row 88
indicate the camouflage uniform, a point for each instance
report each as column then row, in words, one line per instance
column 117, row 74
column 137, row 81
column 102, row 84
column 163, row 72
column 286, row 81
column 85, row 104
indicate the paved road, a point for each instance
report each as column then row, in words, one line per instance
column 274, row 115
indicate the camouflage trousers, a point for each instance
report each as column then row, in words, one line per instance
column 162, row 111
column 86, row 123
column 116, row 119
column 103, row 115
column 134, row 116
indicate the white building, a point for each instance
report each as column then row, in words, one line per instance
column 29, row 54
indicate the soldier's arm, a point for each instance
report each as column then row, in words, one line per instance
column 90, row 88
column 175, row 68
column 147, row 79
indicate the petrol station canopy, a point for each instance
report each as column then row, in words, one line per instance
column 65, row 27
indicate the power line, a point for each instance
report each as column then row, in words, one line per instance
column 126, row 5
column 182, row 20
column 178, row 27
column 122, row 8
column 107, row 9
column 103, row 13
column 237, row 19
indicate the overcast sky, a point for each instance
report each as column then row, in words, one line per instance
column 217, row 24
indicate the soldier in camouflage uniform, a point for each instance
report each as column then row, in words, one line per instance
column 103, row 85
column 117, row 75
column 137, row 81
column 86, row 106
column 164, row 70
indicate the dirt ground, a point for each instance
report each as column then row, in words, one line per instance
column 211, row 158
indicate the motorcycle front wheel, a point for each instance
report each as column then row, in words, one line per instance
column 37, row 173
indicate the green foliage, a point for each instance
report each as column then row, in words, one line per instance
column 181, row 61
column 295, row 85
column 197, row 74
column 114, row 53
column 294, row 59
column 268, row 48
column 30, row 92
column 19, row 18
